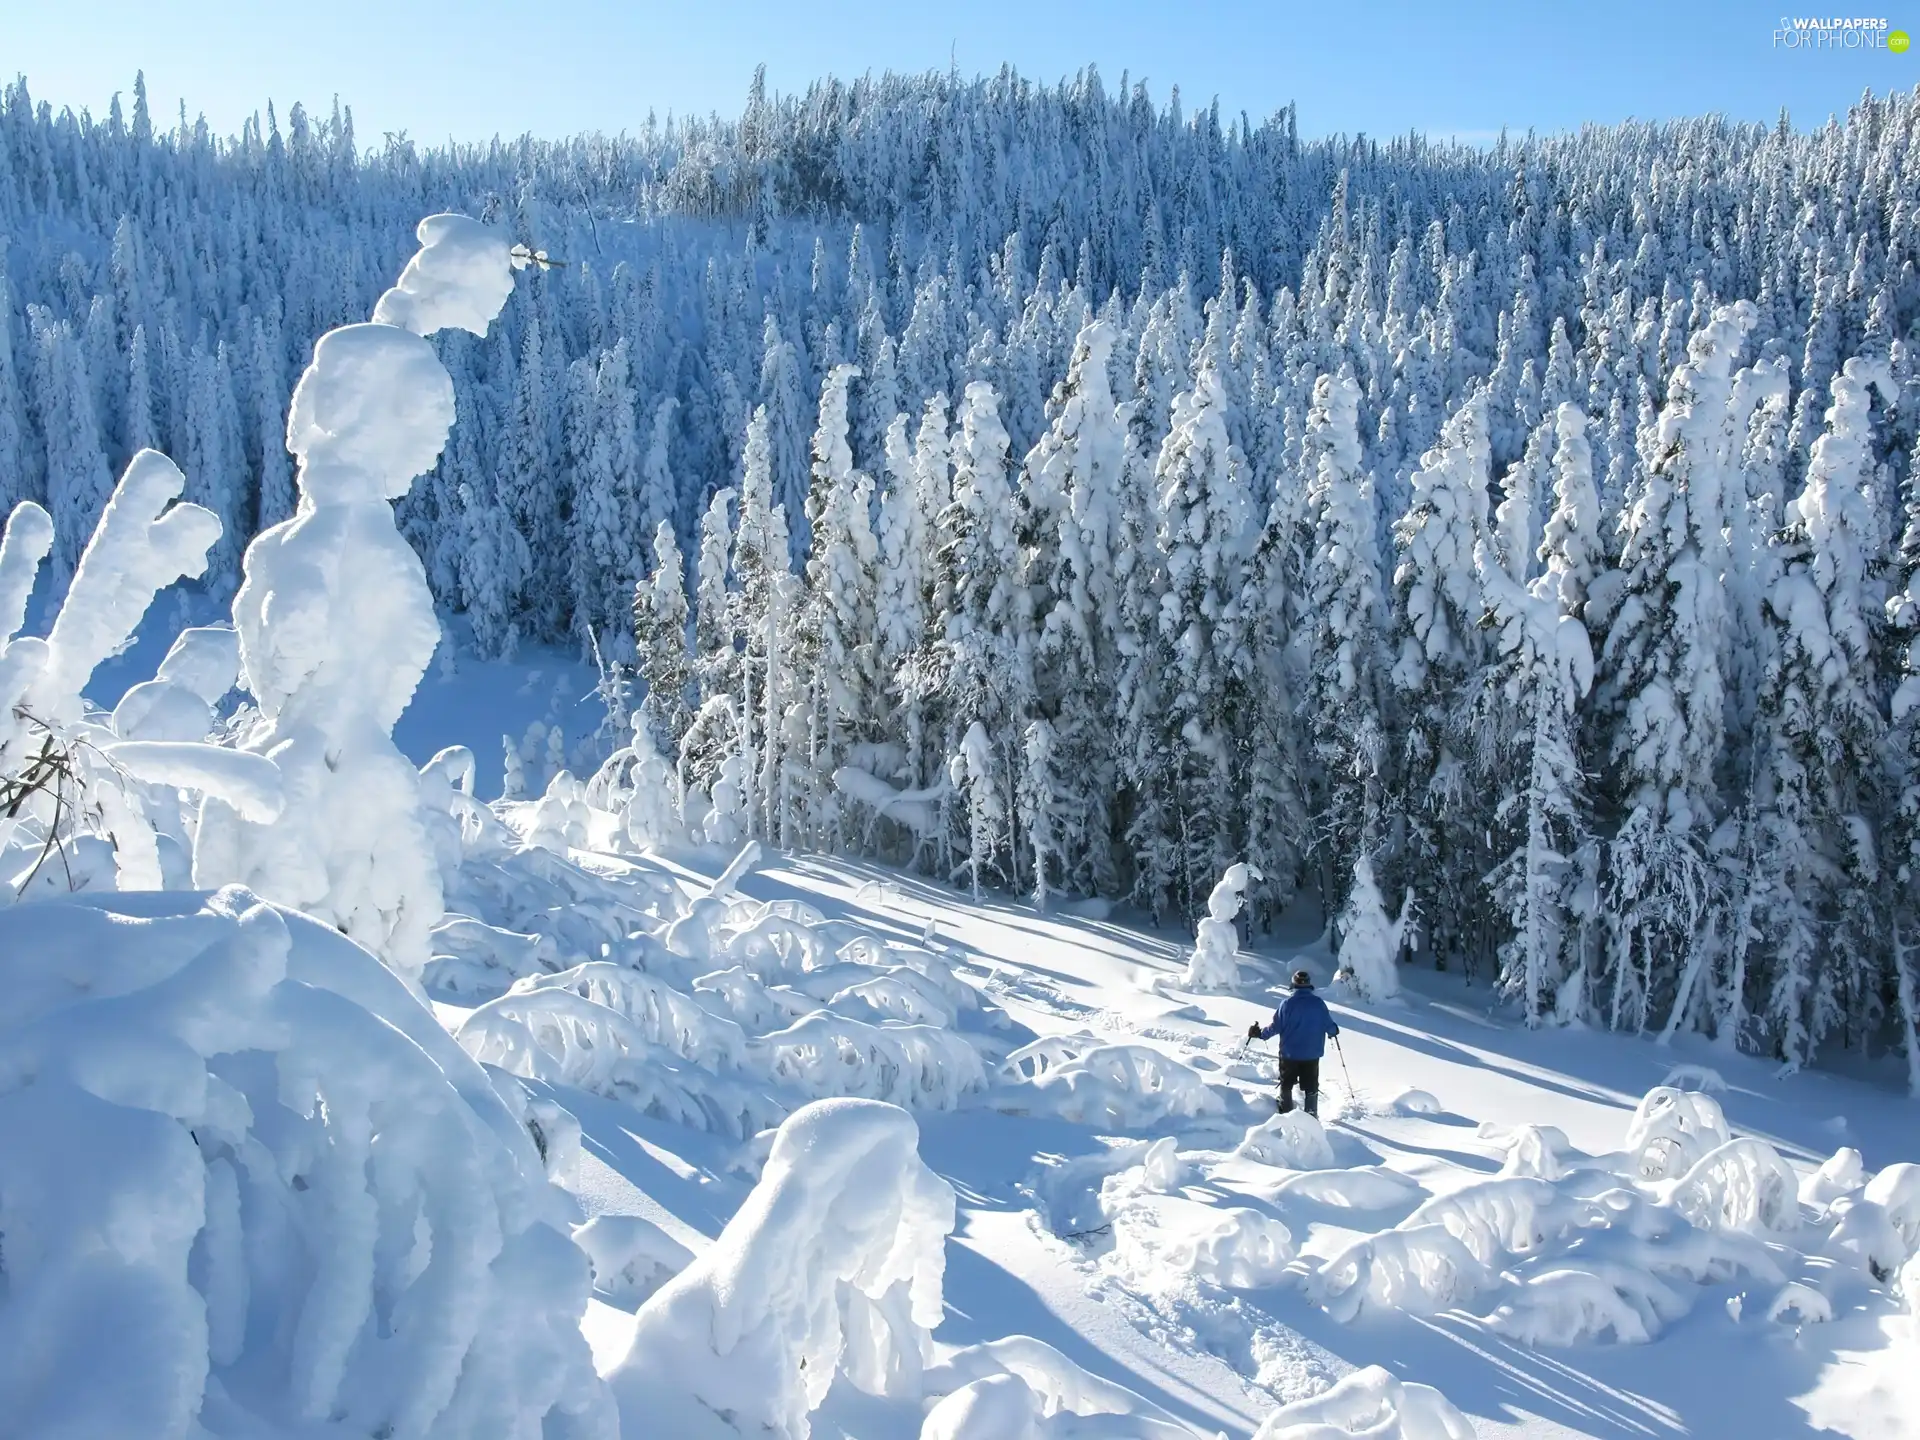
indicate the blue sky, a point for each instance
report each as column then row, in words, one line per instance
column 554, row 67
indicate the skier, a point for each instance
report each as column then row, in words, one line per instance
column 1303, row 1024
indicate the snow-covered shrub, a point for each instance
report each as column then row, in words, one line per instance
column 473, row 958
column 1293, row 1141
column 1535, row 1150
column 1896, row 1190
column 1419, row 1270
column 1214, row 964
column 1879, row 1229
column 1569, row 1305
column 1841, row 1175
column 833, row 1266
column 1672, row 1129
column 1373, row 1403
column 335, row 620
column 250, row 1183
column 920, row 1066
column 84, row 804
column 1742, row 1185
column 561, row 816
column 1117, row 1086
column 1237, row 1248
column 632, row 1257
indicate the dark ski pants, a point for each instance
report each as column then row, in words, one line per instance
column 1305, row 1074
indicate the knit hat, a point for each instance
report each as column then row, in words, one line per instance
column 1302, row 980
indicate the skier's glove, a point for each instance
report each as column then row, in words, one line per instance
column 1253, row 1032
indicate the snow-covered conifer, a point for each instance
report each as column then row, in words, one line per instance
column 660, row 640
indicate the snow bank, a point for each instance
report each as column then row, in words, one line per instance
column 632, row 1257
column 833, row 1266
column 1369, row 1402
column 250, row 1184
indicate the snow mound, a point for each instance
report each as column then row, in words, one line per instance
column 1535, row 1150
column 1415, row 1102
column 1372, row 1403
column 632, row 1257
column 833, row 1266
column 1063, row 1401
column 251, row 1183
column 1293, row 1141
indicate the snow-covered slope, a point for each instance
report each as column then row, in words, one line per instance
column 1530, row 1222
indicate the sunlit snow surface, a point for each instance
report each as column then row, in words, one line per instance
column 1531, row 1223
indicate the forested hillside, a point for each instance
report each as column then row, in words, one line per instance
column 1070, row 494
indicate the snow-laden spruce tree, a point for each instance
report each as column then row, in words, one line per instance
column 335, row 619
column 1543, row 667
column 1665, row 660
column 987, row 682
column 1071, row 495
column 660, row 641
column 1902, row 838
column 760, row 620
column 1370, row 938
column 1820, row 734
column 1340, row 615
column 1209, row 530
column 834, row 630
column 1437, row 604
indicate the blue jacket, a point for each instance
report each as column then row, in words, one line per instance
column 1303, row 1025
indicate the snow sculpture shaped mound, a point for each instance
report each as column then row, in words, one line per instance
column 832, row 1266
column 1369, row 1402
column 335, row 619
column 251, row 1186
column 1214, row 964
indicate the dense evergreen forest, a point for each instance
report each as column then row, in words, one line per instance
column 1071, row 494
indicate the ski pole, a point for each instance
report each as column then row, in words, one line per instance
column 1347, row 1074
